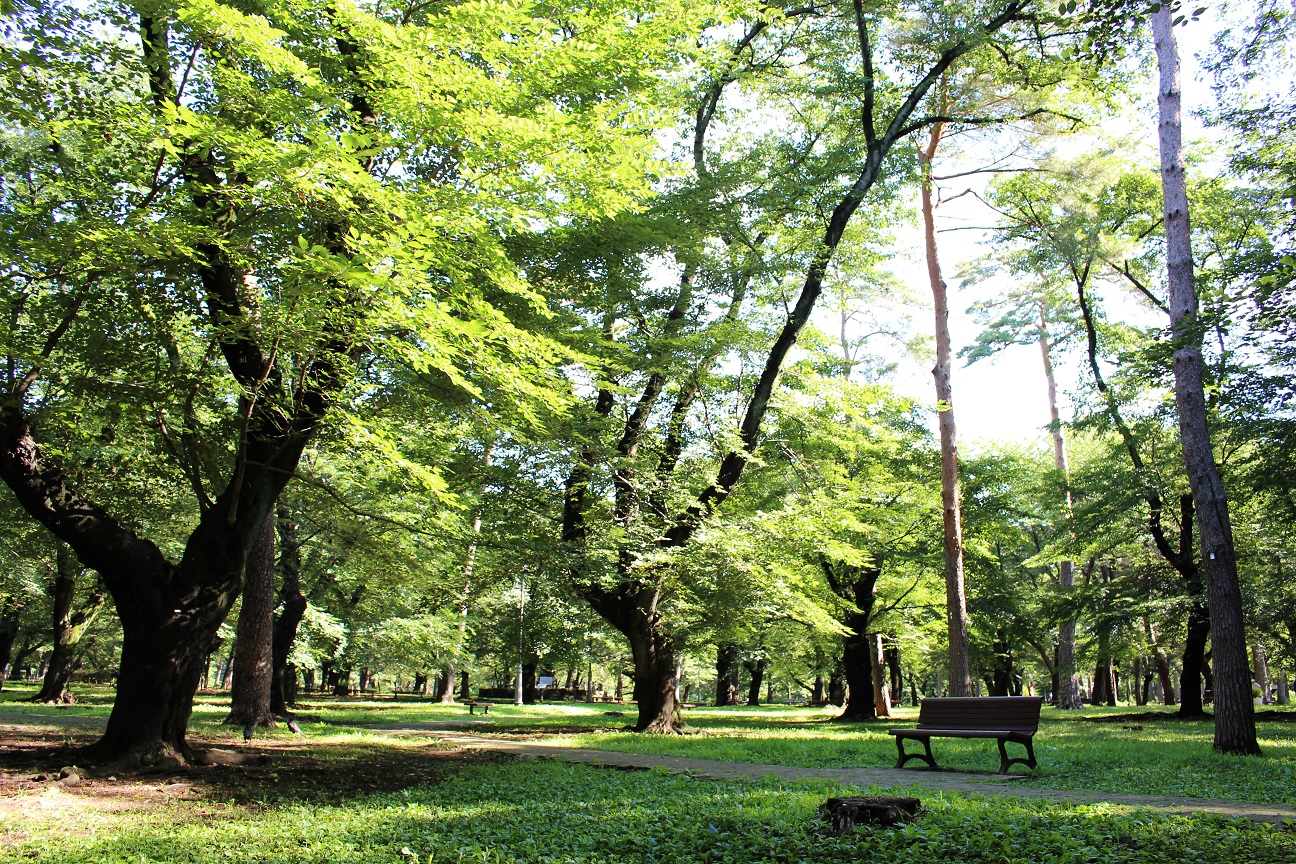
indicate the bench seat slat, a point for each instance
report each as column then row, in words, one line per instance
column 963, row 733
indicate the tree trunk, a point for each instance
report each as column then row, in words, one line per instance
column 1068, row 677
column 1261, row 671
column 1102, row 684
column 856, row 584
column 8, row 634
column 634, row 613
column 283, row 679
column 726, row 675
column 755, row 669
column 955, row 591
column 250, row 692
column 857, row 669
column 1235, row 730
column 1163, row 678
column 528, row 683
column 1001, row 682
column 1190, row 681
column 892, row 658
column 881, row 692
column 69, row 627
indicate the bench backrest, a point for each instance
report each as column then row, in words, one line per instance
column 1014, row 713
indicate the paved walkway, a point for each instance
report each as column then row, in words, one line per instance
column 947, row 781
column 453, row 732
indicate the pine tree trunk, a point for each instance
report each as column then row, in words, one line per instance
column 69, row 627
column 955, row 591
column 253, row 665
column 1235, row 730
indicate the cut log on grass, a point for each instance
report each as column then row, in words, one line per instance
column 843, row 814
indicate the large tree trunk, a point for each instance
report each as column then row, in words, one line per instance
column 283, row 678
column 69, row 628
column 250, row 691
column 955, row 591
column 726, row 675
column 856, row 584
column 1234, row 714
column 634, row 613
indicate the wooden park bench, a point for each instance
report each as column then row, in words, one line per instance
column 473, row 703
column 1004, row 718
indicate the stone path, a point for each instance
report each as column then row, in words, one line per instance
column 948, row 781
column 454, row 732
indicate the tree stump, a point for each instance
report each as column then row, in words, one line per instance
column 843, row 814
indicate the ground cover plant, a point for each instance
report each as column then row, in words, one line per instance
column 383, row 800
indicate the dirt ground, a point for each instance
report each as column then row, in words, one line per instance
column 281, row 771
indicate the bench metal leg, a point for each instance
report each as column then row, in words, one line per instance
column 905, row 757
column 1005, row 762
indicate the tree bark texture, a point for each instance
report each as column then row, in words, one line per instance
column 253, row 666
column 70, row 626
column 283, row 677
column 1234, row 714
column 951, row 508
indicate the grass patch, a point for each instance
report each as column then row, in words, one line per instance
column 1164, row 757
column 552, row 812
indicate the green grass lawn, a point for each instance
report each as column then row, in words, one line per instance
column 1164, row 757
column 552, row 812
column 343, row 793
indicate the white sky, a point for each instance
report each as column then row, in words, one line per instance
column 1004, row 398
